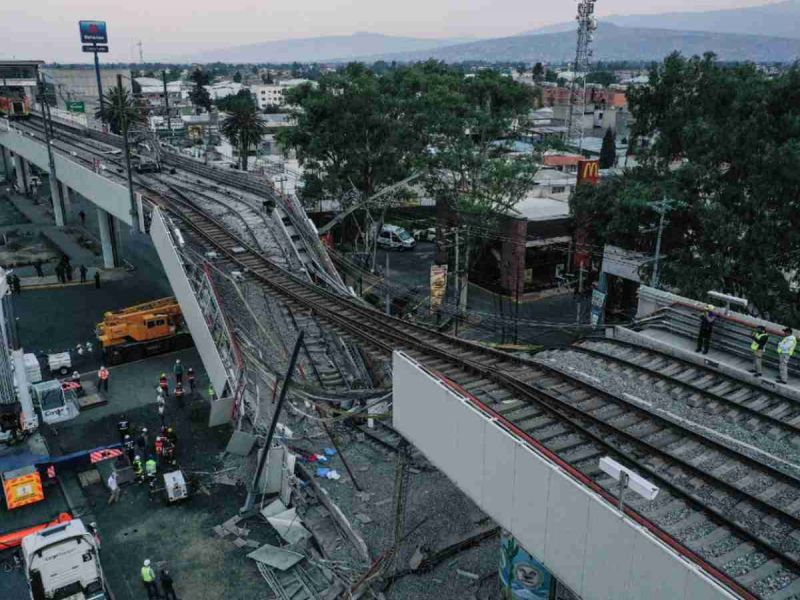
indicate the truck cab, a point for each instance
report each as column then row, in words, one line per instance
column 63, row 562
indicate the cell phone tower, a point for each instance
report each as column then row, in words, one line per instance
column 587, row 25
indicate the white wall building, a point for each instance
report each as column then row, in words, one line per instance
column 273, row 94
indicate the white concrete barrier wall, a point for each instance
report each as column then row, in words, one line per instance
column 111, row 196
column 571, row 529
column 173, row 267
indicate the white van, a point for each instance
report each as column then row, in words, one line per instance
column 392, row 236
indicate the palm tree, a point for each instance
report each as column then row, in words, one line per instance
column 243, row 129
column 118, row 108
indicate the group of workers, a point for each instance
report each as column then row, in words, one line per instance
column 149, row 580
column 759, row 340
column 144, row 458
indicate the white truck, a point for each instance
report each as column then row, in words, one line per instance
column 63, row 562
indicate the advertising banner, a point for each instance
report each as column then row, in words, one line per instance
column 522, row 577
column 76, row 107
column 93, row 32
column 598, row 305
column 438, row 285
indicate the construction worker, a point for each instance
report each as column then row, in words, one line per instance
column 141, row 441
column 102, row 379
column 123, row 426
column 130, row 447
column 151, row 470
column 138, row 469
column 149, row 580
column 760, row 338
column 159, row 445
column 83, row 271
column 785, row 351
column 161, row 407
column 113, row 487
column 212, row 395
column 190, row 377
column 167, row 452
column 707, row 320
column 171, row 435
column 97, row 279
column 179, row 394
column 164, row 384
column 166, row 586
column 177, row 370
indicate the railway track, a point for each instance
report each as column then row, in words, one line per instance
column 755, row 407
column 735, row 513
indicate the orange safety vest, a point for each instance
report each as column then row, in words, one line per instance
column 103, row 374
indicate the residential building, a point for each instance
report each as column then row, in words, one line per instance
column 271, row 95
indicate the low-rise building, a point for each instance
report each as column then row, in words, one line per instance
column 272, row 95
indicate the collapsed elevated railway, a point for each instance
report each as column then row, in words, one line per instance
column 733, row 512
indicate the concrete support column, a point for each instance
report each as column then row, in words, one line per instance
column 108, row 238
column 6, row 164
column 65, row 197
column 55, row 199
column 22, row 180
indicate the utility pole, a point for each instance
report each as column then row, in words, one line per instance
column 458, row 287
column 386, row 281
column 123, row 115
column 141, row 55
column 55, row 188
column 287, row 380
column 166, row 103
column 661, row 208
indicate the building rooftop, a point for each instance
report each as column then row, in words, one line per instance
column 542, row 209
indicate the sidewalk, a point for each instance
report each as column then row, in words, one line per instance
column 41, row 221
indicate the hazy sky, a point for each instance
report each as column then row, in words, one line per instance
column 48, row 29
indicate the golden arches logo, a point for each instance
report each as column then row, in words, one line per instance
column 588, row 171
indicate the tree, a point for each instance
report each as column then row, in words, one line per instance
column 604, row 78
column 608, row 151
column 118, row 110
column 538, row 72
column 244, row 129
column 721, row 141
column 237, row 77
column 355, row 132
column 199, row 94
column 229, row 103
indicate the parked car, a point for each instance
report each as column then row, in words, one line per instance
column 392, row 236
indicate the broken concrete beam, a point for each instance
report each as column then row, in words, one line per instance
column 220, row 531
column 468, row 574
column 239, row 543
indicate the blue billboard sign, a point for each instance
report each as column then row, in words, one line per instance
column 522, row 577
column 93, row 32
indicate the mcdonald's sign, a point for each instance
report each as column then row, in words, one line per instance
column 588, row 171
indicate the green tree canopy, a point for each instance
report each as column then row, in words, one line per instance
column 608, row 151
column 119, row 110
column 199, row 94
column 244, row 129
column 724, row 143
column 242, row 97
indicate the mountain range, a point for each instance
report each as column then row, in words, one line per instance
column 763, row 33
column 611, row 42
column 780, row 19
column 321, row 48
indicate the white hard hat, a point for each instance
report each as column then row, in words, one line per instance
column 146, row 562
column 102, row 367
column 144, row 429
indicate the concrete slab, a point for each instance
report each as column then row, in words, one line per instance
column 275, row 557
column 289, row 526
column 241, row 443
column 275, row 507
